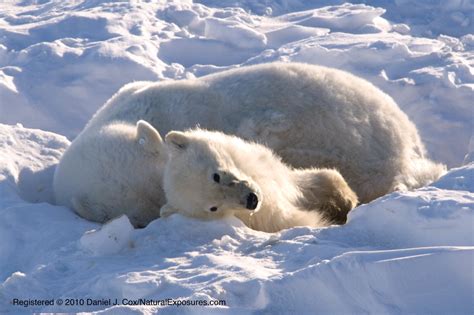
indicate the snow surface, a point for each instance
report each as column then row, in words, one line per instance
column 410, row 252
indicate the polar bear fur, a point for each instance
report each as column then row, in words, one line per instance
column 119, row 170
column 116, row 170
column 311, row 116
column 211, row 175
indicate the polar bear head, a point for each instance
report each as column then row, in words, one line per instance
column 114, row 170
column 203, row 180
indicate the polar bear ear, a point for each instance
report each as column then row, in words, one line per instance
column 148, row 136
column 177, row 140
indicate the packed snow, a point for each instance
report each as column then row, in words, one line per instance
column 407, row 252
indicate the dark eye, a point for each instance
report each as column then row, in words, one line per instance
column 216, row 177
column 213, row 209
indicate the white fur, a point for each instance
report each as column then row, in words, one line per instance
column 115, row 171
column 309, row 115
column 287, row 197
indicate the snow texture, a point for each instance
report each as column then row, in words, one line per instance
column 407, row 252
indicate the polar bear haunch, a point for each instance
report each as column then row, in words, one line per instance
column 210, row 175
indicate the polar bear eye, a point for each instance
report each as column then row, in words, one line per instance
column 213, row 209
column 216, row 177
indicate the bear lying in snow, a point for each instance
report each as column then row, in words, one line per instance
column 311, row 116
column 121, row 172
column 212, row 175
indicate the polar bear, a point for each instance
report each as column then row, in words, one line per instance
column 211, row 175
column 311, row 116
column 117, row 170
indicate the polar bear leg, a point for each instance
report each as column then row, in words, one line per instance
column 326, row 191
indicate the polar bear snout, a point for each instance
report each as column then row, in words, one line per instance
column 252, row 201
column 244, row 192
column 249, row 195
column 233, row 186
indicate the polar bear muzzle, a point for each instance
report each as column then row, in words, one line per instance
column 252, row 201
column 249, row 194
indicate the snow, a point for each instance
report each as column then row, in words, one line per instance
column 407, row 252
column 110, row 239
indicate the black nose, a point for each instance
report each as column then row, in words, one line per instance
column 252, row 201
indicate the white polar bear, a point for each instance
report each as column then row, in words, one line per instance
column 211, row 175
column 311, row 116
column 116, row 170
column 119, row 170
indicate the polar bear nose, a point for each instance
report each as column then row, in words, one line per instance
column 252, row 201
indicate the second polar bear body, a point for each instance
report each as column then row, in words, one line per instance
column 113, row 171
column 210, row 175
column 311, row 116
